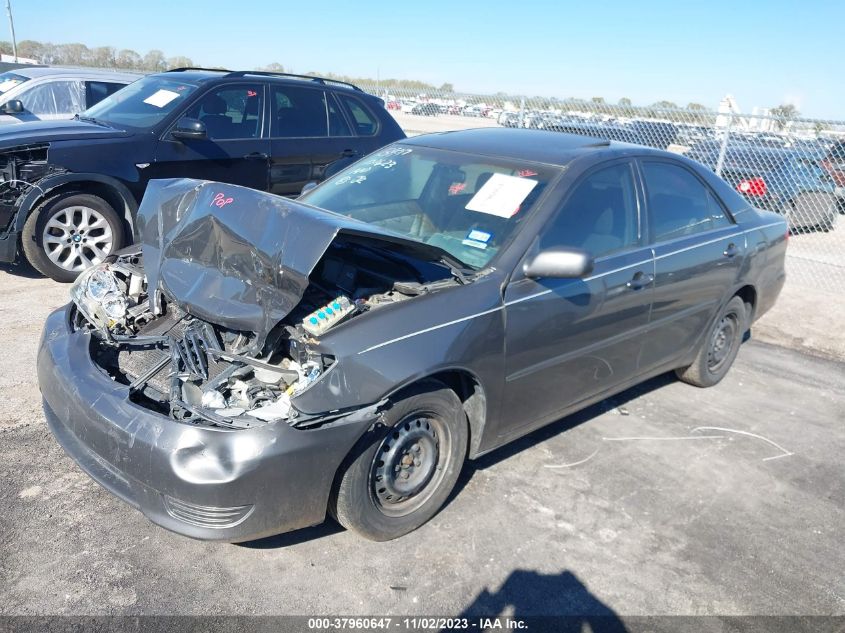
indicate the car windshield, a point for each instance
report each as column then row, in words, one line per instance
column 10, row 80
column 468, row 205
column 141, row 104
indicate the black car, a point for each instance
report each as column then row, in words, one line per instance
column 426, row 109
column 256, row 361
column 70, row 189
column 791, row 182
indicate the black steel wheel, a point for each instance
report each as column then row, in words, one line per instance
column 400, row 474
column 718, row 348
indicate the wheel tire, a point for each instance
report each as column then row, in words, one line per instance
column 59, row 218
column 719, row 348
column 830, row 222
column 362, row 497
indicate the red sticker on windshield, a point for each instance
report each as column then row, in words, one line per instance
column 456, row 188
column 251, row 93
column 525, row 173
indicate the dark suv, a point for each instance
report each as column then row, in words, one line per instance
column 69, row 190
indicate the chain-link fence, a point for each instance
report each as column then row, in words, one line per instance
column 789, row 165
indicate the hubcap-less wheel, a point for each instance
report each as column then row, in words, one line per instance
column 409, row 464
column 722, row 341
column 77, row 237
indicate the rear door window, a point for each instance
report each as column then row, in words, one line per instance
column 679, row 204
column 298, row 112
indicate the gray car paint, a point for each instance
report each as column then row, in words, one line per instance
column 238, row 257
column 476, row 332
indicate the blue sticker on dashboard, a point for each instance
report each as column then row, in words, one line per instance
column 477, row 239
column 478, row 236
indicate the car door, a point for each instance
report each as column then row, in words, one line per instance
column 698, row 253
column 308, row 132
column 51, row 99
column 569, row 339
column 236, row 149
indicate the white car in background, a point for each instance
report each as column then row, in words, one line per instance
column 41, row 93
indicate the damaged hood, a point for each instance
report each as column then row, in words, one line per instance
column 29, row 132
column 237, row 257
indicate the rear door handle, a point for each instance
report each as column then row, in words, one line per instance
column 256, row 156
column 349, row 153
column 731, row 250
column 640, row 281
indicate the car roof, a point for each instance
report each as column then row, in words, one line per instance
column 539, row 146
column 49, row 71
column 197, row 75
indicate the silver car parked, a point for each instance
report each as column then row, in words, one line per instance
column 41, row 93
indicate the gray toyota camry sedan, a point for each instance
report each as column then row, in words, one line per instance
column 256, row 362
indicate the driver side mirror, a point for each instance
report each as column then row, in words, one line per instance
column 188, row 128
column 559, row 263
column 13, row 106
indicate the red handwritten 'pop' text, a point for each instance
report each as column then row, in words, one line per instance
column 220, row 200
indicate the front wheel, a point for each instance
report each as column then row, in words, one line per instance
column 70, row 232
column 719, row 348
column 401, row 473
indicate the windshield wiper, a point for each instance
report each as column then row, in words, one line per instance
column 89, row 119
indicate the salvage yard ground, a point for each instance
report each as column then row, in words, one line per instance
column 665, row 500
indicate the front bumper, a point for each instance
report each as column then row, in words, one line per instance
column 203, row 482
column 9, row 247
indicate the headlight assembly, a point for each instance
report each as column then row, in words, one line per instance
column 100, row 296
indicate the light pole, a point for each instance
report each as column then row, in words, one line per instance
column 12, row 27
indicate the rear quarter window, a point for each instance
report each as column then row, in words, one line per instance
column 679, row 204
column 365, row 122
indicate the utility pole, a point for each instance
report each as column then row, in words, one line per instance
column 12, row 27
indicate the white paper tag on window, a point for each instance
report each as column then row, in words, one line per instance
column 161, row 98
column 501, row 195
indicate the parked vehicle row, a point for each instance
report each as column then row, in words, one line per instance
column 791, row 182
column 70, row 190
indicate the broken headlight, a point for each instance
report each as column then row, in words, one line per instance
column 100, row 296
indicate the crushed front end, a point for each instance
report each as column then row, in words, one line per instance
column 172, row 378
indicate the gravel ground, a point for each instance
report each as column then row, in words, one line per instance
column 629, row 508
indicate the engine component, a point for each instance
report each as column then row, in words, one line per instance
column 321, row 320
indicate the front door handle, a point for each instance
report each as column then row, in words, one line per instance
column 731, row 250
column 349, row 153
column 256, row 156
column 640, row 280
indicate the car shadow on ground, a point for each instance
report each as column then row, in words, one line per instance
column 556, row 428
column 553, row 602
column 21, row 269
column 296, row 537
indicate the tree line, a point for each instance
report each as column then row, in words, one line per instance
column 76, row 54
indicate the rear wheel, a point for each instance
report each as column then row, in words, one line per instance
column 719, row 348
column 70, row 232
column 400, row 474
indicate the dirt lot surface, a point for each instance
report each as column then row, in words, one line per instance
column 635, row 506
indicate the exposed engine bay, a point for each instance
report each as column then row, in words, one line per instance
column 20, row 169
column 200, row 372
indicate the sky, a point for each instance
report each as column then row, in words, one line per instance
column 764, row 53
